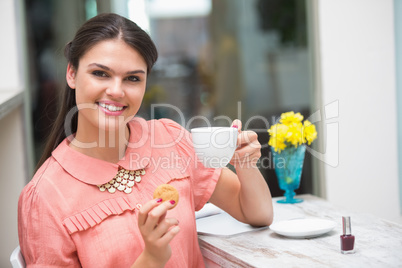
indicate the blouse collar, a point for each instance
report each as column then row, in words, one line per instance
column 96, row 171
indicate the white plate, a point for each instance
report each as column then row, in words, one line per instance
column 303, row 228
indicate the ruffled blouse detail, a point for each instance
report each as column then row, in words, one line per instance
column 99, row 212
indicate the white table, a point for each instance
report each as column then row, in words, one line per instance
column 378, row 242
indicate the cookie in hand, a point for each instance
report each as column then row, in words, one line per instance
column 167, row 192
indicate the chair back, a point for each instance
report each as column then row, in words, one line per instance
column 16, row 258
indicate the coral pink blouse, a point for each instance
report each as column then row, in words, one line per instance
column 65, row 220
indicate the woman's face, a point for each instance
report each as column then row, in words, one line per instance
column 110, row 84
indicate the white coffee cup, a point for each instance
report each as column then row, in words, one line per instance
column 214, row 146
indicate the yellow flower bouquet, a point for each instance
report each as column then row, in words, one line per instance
column 287, row 140
column 291, row 131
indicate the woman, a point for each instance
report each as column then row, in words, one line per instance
column 90, row 202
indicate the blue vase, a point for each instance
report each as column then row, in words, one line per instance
column 288, row 168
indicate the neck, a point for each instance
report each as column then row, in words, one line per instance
column 106, row 145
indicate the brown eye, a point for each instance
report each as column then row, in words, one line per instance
column 133, row 78
column 99, row 73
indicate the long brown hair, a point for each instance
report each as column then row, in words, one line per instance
column 102, row 27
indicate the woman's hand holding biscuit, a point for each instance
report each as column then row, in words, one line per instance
column 157, row 231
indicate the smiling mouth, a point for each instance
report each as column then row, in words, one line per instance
column 111, row 107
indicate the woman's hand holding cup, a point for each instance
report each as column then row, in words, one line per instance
column 217, row 146
column 248, row 149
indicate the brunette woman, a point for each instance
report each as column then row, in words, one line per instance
column 90, row 202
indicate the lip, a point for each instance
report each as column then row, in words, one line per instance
column 109, row 102
column 111, row 113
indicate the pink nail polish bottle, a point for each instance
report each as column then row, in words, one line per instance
column 347, row 239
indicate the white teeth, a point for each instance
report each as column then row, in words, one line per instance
column 110, row 107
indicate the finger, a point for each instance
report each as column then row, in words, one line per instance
column 248, row 138
column 157, row 213
column 249, row 149
column 170, row 234
column 247, row 154
column 246, row 160
column 161, row 218
column 155, row 217
column 146, row 208
column 237, row 124
column 249, row 146
column 164, row 226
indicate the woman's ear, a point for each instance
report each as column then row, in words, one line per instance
column 70, row 76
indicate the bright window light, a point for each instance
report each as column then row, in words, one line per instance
column 137, row 13
column 178, row 8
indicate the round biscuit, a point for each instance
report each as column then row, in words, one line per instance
column 167, row 192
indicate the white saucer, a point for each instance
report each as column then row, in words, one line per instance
column 303, row 228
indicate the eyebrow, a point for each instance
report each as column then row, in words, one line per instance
column 108, row 69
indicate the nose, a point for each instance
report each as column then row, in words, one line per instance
column 115, row 89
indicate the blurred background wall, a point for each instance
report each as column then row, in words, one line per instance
column 358, row 69
column 15, row 131
column 333, row 61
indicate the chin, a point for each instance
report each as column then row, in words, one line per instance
column 112, row 125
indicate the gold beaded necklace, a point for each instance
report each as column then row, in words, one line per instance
column 123, row 181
